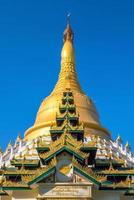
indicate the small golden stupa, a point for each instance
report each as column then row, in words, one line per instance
column 68, row 80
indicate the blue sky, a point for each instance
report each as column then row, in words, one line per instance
column 30, row 45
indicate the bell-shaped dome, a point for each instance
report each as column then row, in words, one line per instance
column 67, row 81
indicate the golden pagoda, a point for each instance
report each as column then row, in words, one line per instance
column 67, row 154
column 67, row 81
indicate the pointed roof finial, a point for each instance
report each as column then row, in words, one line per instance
column 9, row 144
column 119, row 139
column 127, row 145
column 68, row 19
column 18, row 137
column 68, row 33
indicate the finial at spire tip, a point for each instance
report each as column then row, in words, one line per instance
column 68, row 33
column 68, row 19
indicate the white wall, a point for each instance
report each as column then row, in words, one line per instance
column 5, row 198
column 105, row 195
column 22, row 195
column 109, row 195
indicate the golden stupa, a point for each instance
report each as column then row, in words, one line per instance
column 68, row 81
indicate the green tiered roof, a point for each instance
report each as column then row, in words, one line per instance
column 67, row 136
column 67, row 119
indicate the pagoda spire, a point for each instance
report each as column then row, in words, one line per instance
column 67, row 82
column 67, row 76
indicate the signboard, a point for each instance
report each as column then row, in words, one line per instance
column 65, row 191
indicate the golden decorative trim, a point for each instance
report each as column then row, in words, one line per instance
column 65, row 140
column 89, row 171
